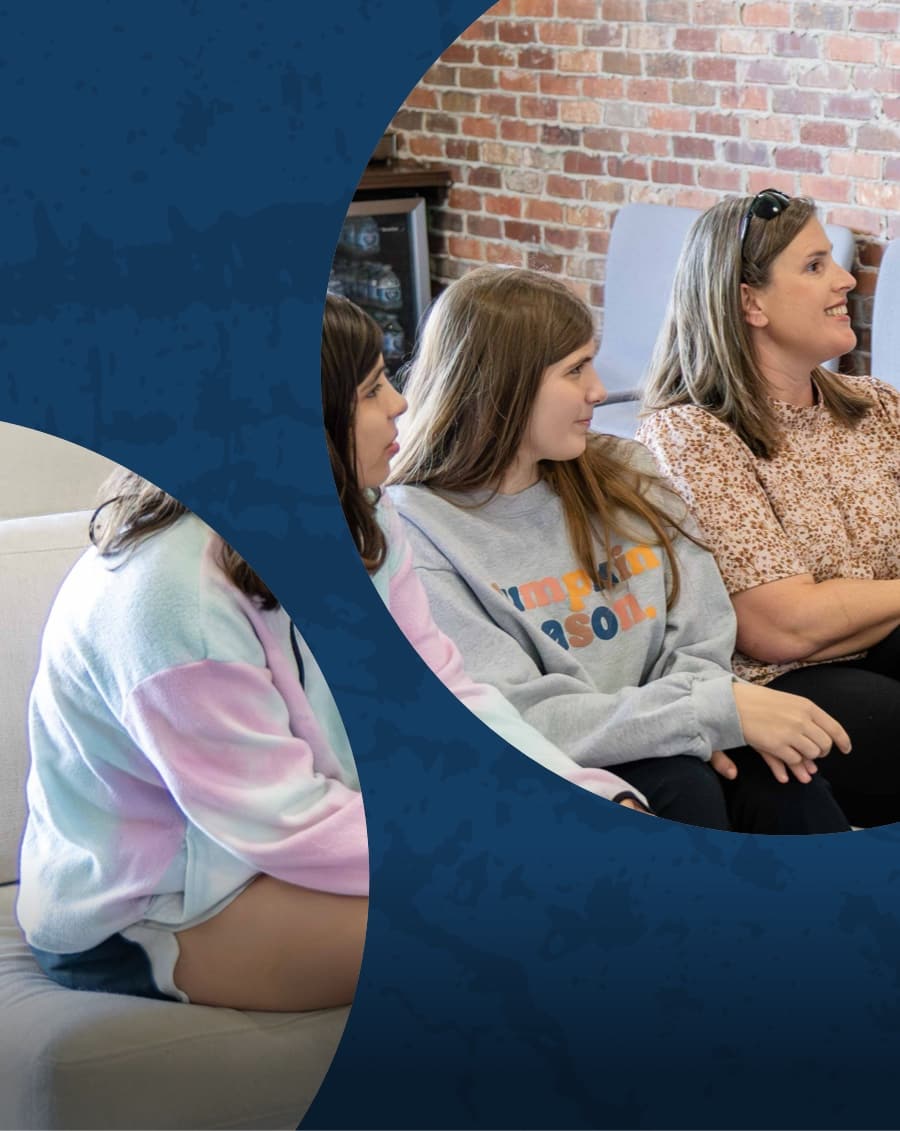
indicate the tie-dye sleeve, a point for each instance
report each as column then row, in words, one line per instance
column 220, row 738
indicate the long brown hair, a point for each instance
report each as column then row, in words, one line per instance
column 704, row 353
column 351, row 346
column 131, row 509
column 487, row 343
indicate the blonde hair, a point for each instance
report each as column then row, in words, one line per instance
column 488, row 341
column 704, row 353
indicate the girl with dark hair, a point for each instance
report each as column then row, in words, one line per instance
column 792, row 472
column 571, row 579
column 195, row 826
column 361, row 408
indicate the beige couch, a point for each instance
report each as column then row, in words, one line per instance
column 73, row 1059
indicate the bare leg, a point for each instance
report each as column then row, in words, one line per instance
column 275, row 947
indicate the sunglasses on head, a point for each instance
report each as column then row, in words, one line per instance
column 764, row 206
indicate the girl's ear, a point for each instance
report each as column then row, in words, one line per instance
column 754, row 315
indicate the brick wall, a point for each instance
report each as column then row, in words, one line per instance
column 554, row 113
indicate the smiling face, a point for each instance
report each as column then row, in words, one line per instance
column 560, row 417
column 378, row 404
column 799, row 319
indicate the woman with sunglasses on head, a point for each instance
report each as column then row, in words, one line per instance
column 792, row 472
column 361, row 408
column 195, row 828
column 570, row 578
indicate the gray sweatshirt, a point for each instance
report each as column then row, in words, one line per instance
column 608, row 675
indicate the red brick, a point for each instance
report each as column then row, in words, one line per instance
column 603, row 35
column 621, row 63
column 892, row 168
column 771, row 128
column 493, row 56
column 830, row 17
column 426, row 146
column 538, row 107
column 542, row 9
column 670, row 119
column 827, row 76
column 628, row 169
column 715, row 70
column 583, row 216
column 484, row 176
column 622, row 10
column 481, row 78
column 767, row 15
column 874, row 19
column 696, row 39
column 851, row 49
column 485, row 30
column 770, row 71
column 585, row 112
column 439, row 75
column 744, row 97
column 520, row 81
column 562, row 237
column 458, row 102
column 458, row 150
column 672, row 173
column 446, row 222
column 874, row 194
column 746, row 153
column 649, row 37
column 558, row 135
column 891, row 108
column 858, row 219
column 562, row 35
column 836, row 190
column 537, row 59
column 876, row 137
column 441, row 123
column 846, row 163
column 824, row 133
column 890, row 53
column 580, row 9
column 865, row 284
column 543, row 261
column 884, row 79
column 693, row 94
column 520, row 31
column 481, row 128
column 870, row 254
column 699, row 148
column 796, row 45
column 420, row 98
column 578, row 62
column 647, row 90
column 803, row 103
column 716, row 177
column 608, row 89
column 513, row 130
column 611, row 192
column 463, row 248
column 716, row 13
column 412, row 121
column 743, row 42
column 564, row 85
column 798, row 159
column 547, row 211
column 664, row 64
column 522, row 232
column 463, row 199
column 598, row 242
column 458, row 53
column 605, row 140
column 487, row 227
column 504, row 205
column 643, row 144
column 504, row 254
column 566, row 187
column 503, row 105
column 724, row 125
column 580, row 163
column 668, row 12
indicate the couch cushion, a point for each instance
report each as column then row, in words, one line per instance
column 76, row 1059
column 35, row 556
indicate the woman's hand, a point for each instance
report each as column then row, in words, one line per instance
column 790, row 732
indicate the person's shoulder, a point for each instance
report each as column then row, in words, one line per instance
column 873, row 387
column 689, row 418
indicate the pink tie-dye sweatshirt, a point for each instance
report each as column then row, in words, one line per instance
column 175, row 752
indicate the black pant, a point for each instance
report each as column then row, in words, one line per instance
column 687, row 789
column 864, row 696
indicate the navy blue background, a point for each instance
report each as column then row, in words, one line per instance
column 172, row 183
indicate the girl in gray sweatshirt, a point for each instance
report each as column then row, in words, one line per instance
column 571, row 579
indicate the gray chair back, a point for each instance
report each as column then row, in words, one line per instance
column 886, row 318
